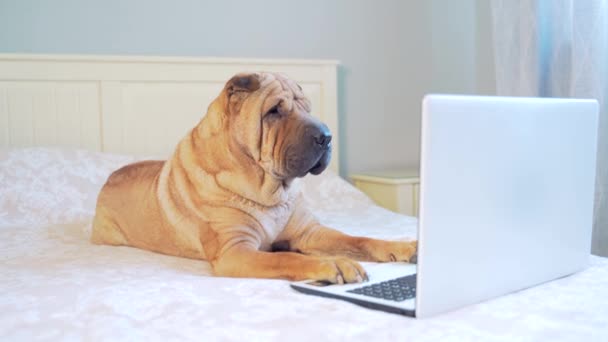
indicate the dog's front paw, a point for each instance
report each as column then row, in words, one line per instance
column 340, row 270
column 386, row 251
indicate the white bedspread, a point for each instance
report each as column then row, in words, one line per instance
column 55, row 285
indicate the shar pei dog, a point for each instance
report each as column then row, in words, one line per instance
column 229, row 193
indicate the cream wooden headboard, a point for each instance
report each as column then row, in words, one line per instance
column 133, row 105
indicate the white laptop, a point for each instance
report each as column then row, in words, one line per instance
column 506, row 202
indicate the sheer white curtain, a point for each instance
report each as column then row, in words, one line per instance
column 558, row 48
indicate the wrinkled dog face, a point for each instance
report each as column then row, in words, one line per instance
column 269, row 118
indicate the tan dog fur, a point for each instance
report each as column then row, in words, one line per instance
column 225, row 195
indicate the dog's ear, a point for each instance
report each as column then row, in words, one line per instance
column 243, row 83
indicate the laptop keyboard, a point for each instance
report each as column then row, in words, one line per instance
column 398, row 289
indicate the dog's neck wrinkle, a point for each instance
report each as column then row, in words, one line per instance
column 252, row 202
column 263, row 190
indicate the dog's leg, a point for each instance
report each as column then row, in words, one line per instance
column 245, row 261
column 320, row 240
column 305, row 235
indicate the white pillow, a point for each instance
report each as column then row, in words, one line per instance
column 50, row 185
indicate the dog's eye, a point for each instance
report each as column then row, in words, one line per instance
column 274, row 110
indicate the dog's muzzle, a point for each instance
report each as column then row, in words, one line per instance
column 322, row 140
column 311, row 152
column 320, row 136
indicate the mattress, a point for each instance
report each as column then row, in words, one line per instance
column 55, row 285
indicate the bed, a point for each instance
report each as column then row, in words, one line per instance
column 64, row 120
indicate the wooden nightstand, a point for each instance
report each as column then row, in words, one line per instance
column 393, row 190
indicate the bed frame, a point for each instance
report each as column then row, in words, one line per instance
column 133, row 105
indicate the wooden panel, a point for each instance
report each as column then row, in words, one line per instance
column 51, row 114
column 313, row 92
column 89, row 109
column 148, row 107
column 134, row 105
column 45, row 116
column 4, row 118
column 329, row 90
column 111, row 117
column 20, row 114
column 145, row 68
column 68, row 119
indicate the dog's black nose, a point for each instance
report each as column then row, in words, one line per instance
column 323, row 137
